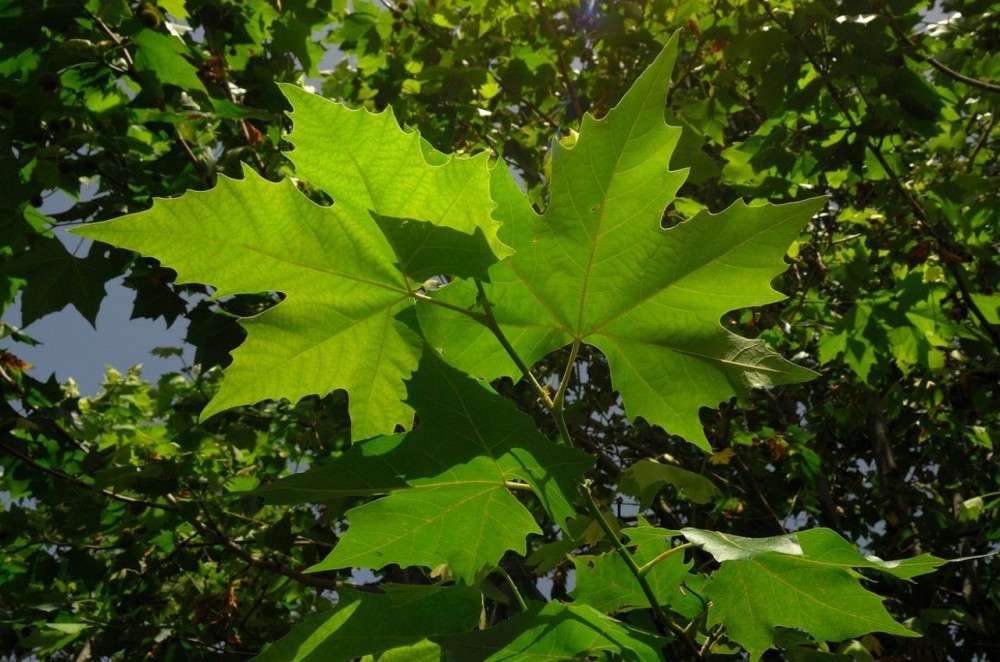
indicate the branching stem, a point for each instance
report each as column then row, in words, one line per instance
column 646, row 567
column 911, row 200
column 663, row 622
column 490, row 322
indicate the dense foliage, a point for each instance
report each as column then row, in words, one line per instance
column 134, row 527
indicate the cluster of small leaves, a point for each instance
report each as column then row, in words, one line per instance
column 891, row 446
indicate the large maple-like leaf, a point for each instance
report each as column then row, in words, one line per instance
column 597, row 267
column 336, row 327
column 555, row 631
column 344, row 282
column 371, row 623
column 805, row 580
column 447, row 483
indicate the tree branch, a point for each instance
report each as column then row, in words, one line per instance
column 212, row 532
column 114, row 496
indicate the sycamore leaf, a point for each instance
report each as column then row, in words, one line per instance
column 646, row 478
column 337, row 326
column 425, row 250
column 366, row 162
column 555, row 631
column 370, row 623
column 805, row 580
column 597, row 267
column 448, row 482
column 605, row 582
column 57, row 278
column 161, row 55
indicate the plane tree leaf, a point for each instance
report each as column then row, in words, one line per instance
column 597, row 267
column 344, row 281
column 365, row 623
column 555, row 631
column 447, row 484
column 819, row 546
column 56, row 278
column 336, row 327
column 646, row 478
column 805, row 580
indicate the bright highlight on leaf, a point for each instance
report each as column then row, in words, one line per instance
column 337, row 326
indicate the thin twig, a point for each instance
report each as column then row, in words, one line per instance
column 214, row 533
column 521, row 604
column 645, row 568
column 114, row 496
column 988, row 86
column 131, row 72
column 560, row 61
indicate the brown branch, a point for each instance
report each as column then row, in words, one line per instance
column 212, row 532
column 114, row 496
column 131, row 72
column 986, row 85
column 987, row 132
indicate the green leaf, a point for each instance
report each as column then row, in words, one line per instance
column 989, row 304
column 448, row 482
column 425, row 250
column 820, row 546
column 371, row 623
column 646, row 478
column 555, row 631
column 804, row 580
column 598, row 267
column 367, row 162
column 160, row 54
column 57, row 278
column 605, row 582
column 337, row 326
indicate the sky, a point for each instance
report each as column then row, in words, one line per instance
column 71, row 347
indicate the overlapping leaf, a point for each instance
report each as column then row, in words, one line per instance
column 646, row 478
column 605, row 582
column 597, row 267
column 371, row 623
column 344, row 282
column 556, row 631
column 448, row 482
column 805, row 580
